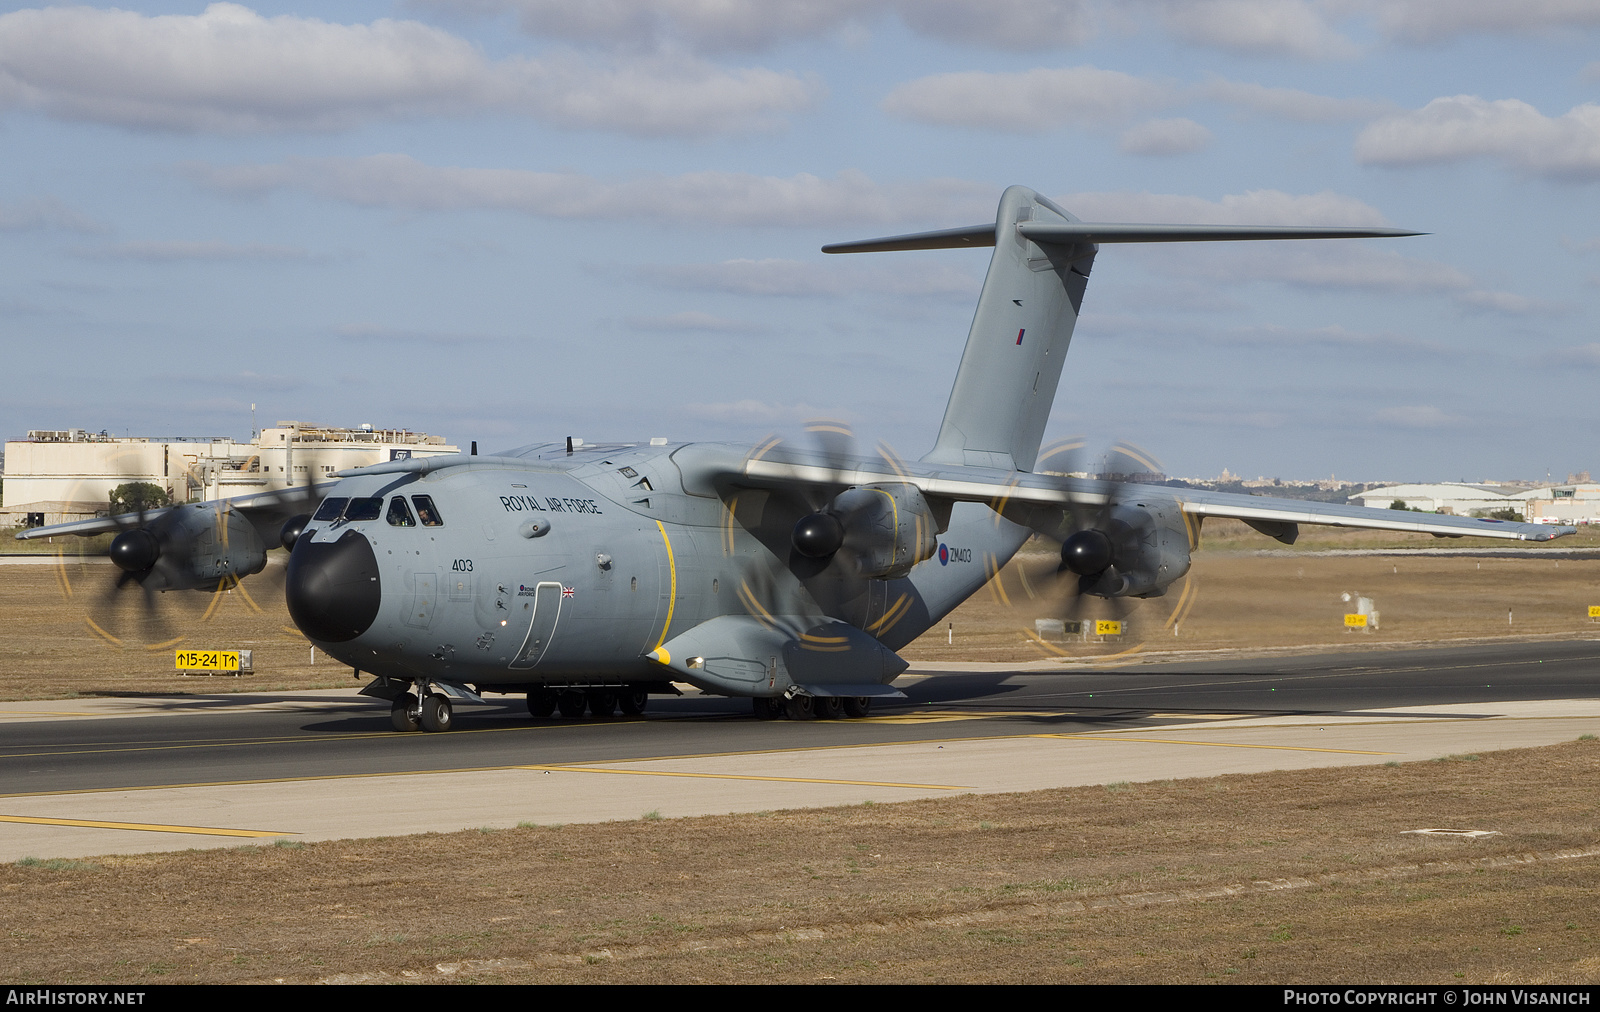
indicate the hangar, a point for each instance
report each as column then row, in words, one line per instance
column 1577, row 502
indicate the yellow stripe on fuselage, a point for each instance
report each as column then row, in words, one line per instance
column 672, row 598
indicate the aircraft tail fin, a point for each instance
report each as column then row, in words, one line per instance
column 1006, row 383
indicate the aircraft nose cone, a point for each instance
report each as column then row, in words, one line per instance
column 333, row 587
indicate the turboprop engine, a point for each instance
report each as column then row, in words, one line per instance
column 1130, row 550
column 189, row 548
column 886, row 529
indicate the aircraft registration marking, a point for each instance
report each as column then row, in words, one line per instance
column 30, row 820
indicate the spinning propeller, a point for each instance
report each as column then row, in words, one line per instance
column 1105, row 555
column 207, row 547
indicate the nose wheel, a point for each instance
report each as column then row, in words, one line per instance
column 436, row 713
column 433, row 713
column 405, row 714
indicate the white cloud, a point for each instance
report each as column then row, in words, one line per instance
column 1332, row 264
column 1434, row 20
column 231, row 70
column 1017, row 25
column 1418, row 416
column 751, row 25
column 1257, row 27
column 1508, row 303
column 1355, row 266
column 1028, row 101
column 1160, row 137
column 1587, row 355
column 1291, row 104
column 401, row 182
column 44, row 212
column 692, row 320
column 1509, row 130
column 797, row 279
column 173, row 250
column 1254, row 207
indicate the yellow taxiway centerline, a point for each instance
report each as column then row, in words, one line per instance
column 141, row 826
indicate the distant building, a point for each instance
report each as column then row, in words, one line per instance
column 55, row 476
column 1562, row 504
column 1576, row 503
column 1454, row 497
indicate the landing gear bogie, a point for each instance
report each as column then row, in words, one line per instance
column 602, row 703
column 541, row 704
column 804, row 707
column 572, row 703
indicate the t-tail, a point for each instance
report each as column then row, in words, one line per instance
column 1007, row 380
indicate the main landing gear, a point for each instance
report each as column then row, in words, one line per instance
column 801, row 707
column 432, row 710
column 600, row 702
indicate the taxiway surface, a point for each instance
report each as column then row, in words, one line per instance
column 148, row 773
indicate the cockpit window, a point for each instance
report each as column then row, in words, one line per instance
column 331, row 508
column 427, row 512
column 400, row 513
column 364, row 509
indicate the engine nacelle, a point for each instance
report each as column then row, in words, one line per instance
column 1131, row 548
column 190, row 548
column 1149, row 550
column 888, row 528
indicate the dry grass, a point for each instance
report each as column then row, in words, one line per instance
column 1240, row 601
column 1280, row 877
column 49, row 650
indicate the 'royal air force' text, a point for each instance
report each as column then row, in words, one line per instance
column 529, row 504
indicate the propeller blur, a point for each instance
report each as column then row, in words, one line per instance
column 590, row 576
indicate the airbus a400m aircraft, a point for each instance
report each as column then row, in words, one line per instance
column 589, row 576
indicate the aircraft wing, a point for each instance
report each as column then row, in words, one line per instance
column 1265, row 509
column 1001, row 489
column 279, row 504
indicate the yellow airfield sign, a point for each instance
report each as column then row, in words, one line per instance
column 208, row 660
column 1594, row 611
column 1355, row 621
column 1107, row 627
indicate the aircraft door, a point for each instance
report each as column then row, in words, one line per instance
column 424, row 595
column 546, row 613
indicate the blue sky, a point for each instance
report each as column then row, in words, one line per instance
column 513, row 220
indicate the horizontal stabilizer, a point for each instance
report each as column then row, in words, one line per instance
column 973, row 236
column 1094, row 231
column 946, row 238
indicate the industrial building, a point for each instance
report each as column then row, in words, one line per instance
column 55, row 476
column 1577, row 502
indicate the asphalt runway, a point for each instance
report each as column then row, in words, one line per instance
column 148, row 773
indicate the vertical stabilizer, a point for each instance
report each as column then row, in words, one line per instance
column 1018, row 342
column 1029, row 305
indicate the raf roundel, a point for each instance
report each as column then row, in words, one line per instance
column 944, row 554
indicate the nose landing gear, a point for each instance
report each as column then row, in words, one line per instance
column 432, row 714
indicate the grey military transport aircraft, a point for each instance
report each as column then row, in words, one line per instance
column 590, row 576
